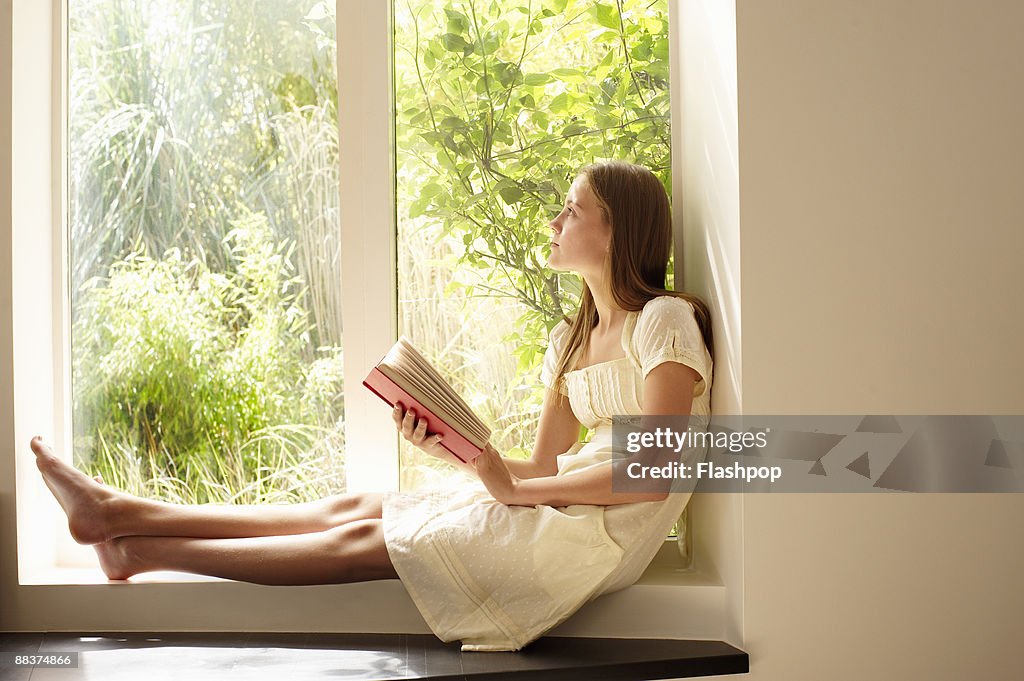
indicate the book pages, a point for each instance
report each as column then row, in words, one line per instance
column 409, row 369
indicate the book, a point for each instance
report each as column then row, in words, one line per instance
column 404, row 375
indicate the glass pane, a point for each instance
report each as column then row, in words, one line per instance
column 204, row 248
column 499, row 103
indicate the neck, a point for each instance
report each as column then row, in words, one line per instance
column 609, row 314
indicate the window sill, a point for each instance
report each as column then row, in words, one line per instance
column 667, row 602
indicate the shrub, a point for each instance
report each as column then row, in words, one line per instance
column 198, row 385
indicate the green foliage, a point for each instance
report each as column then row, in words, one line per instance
column 178, row 369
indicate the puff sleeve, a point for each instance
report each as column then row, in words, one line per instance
column 667, row 331
column 556, row 340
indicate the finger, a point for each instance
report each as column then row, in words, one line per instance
column 408, row 422
column 396, row 414
column 421, row 429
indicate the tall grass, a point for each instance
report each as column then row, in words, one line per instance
column 309, row 174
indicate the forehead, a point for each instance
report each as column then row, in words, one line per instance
column 579, row 193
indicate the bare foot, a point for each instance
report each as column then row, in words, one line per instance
column 87, row 503
column 116, row 559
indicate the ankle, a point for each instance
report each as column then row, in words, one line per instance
column 116, row 511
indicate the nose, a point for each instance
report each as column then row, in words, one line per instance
column 556, row 224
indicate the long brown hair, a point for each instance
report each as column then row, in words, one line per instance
column 635, row 205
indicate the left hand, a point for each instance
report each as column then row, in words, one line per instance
column 495, row 475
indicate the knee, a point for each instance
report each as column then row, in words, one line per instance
column 340, row 507
column 354, row 533
column 343, row 509
column 360, row 552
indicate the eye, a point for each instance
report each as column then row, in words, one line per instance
column 571, row 211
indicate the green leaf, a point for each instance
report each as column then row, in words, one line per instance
column 641, row 51
column 507, row 73
column 454, row 42
column 451, row 123
column 430, row 190
column 568, row 74
column 661, row 49
column 574, row 129
column 511, row 195
column 489, row 44
column 457, row 21
column 606, row 15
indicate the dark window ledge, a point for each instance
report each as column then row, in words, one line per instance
column 219, row 656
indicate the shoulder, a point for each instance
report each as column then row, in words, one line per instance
column 667, row 331
column 666, row 321
column 558, row 333
column 666, row 309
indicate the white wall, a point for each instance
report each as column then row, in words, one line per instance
column 706, row 210
column 881, row 236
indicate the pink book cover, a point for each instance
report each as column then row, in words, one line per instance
column 391, row 393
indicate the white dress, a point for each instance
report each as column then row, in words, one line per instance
column 497, row 577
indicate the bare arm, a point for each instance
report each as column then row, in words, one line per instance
column 668, row 391
column 557, row 431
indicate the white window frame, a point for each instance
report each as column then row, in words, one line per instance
column 34, row 399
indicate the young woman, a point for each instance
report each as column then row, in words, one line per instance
column 499, row 563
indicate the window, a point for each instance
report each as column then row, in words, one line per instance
column 39, row 328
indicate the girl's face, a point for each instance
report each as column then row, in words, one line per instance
column 581, row 238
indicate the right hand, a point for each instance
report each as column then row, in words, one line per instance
column 414, row 430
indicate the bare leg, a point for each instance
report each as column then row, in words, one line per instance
column 353, row 552
column 97, row 513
